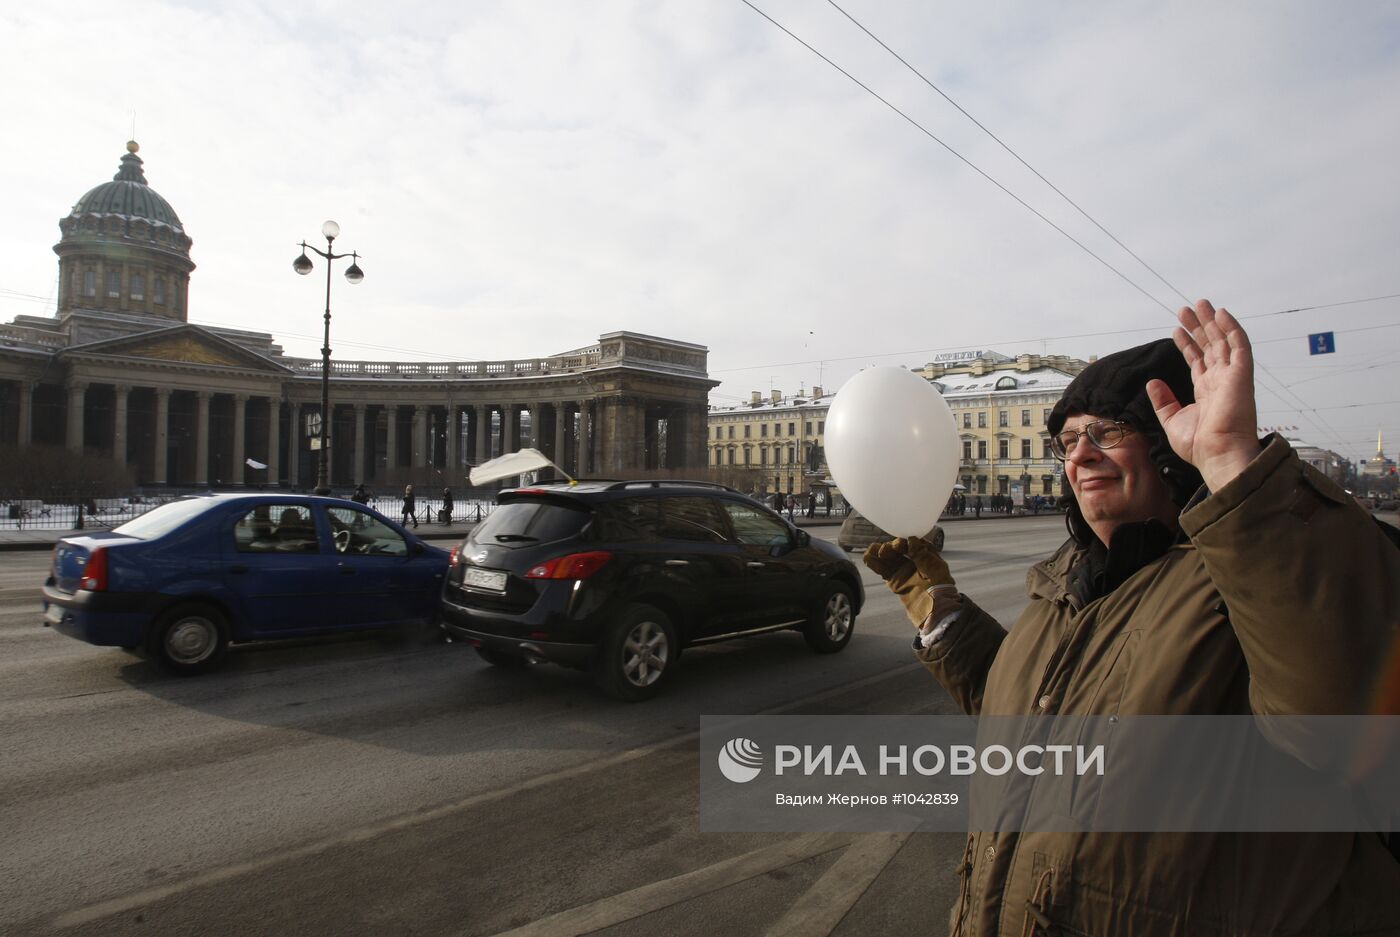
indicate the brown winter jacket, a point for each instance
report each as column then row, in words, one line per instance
column 1312, row 592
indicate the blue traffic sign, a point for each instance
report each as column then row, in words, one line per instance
column 1321, row 343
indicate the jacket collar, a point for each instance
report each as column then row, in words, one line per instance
column 1081, row 574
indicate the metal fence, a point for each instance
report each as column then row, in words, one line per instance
column 106, row 513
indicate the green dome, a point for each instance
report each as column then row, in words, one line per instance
column 128, row 196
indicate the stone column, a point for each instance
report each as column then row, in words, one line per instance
column 119, row 423
column 509, row 440
column 240, row 415
column 585, row 439
column 420, row 437
column 391, row 438
column 536, row 427
column 358, row 469
column 77, row 397
column 274, row 440
column 450, row 456
column 26, row 412
column 201, row 437
column 294, row 445
column 482, row 415
column 560, row 455
column 161, row 437
column 698, row 434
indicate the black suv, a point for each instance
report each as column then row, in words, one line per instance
column 618, row 576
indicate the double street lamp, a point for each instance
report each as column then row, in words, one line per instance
column 354, row 274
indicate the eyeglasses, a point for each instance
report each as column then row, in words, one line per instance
column 1105, row 434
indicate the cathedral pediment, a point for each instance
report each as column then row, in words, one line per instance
column 188, row 344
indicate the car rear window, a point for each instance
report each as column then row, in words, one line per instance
column 159, row 521
column 532, row 521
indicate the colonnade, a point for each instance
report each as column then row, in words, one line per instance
column 179, row 435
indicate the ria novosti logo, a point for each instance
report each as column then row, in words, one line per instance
column 740, row 760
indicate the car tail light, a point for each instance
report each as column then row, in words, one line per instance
column 572, row 566
column 456, row 552
column 95, row 574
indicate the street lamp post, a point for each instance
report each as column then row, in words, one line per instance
column 354, row 274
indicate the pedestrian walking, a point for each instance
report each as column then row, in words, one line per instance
column 445, row 517
column 811, row 502
column 1207, row 572
column 977, row 507
column 410, row 512
column 360, row 495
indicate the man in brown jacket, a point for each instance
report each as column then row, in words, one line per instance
column 1265, row 591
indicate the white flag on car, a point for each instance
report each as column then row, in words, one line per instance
column 513, row 463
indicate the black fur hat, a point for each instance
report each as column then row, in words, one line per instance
column 1115, row 388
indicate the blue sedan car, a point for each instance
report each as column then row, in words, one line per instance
column 187, row 578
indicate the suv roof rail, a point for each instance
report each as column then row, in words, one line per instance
column 669, row 483
column 564, row 482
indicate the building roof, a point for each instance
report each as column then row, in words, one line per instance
column 128, row 196
column 1051, row 380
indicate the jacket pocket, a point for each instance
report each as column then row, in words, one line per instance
column 1099, row 723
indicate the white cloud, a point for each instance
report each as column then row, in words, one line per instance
column 520, row 177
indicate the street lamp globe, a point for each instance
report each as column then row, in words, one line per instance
column 354, row 274
column 331, row 230
column 302, row 264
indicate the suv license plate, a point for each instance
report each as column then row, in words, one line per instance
column 478, row 578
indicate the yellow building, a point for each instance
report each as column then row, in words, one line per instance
column 999, row 403
column 779, row 437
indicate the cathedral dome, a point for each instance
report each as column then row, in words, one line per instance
column 124, row 250
column 128, row 196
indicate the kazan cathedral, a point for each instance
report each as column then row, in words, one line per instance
column 120, row 371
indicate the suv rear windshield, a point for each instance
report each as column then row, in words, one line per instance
column 532, row 521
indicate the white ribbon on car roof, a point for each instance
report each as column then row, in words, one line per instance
column 513, row 463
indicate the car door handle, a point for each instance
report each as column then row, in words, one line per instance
column 238, row 568
column 677, row 562
column 755, row 564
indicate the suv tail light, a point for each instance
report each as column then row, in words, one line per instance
column 95, row 573
column 456, row 552
column 572, row 566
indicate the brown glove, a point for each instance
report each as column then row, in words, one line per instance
column 898, row 563
column 928, row 562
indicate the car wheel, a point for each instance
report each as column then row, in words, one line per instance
column 638, row 654
column 501, row 659
column 189, row 639
column 830, row 627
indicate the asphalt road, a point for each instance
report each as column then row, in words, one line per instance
column 363, row 786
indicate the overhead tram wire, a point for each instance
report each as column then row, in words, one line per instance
column 935, row 139
column 1056, row 189
column 1073, row 335
column 971, row 165
column 1034, row 171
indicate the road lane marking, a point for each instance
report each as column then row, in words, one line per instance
column 624, row 906
column 831, row 897
column 124, row 903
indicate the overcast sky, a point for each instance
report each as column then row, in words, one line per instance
column 521, row 177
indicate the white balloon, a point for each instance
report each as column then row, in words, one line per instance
column 892, row 447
